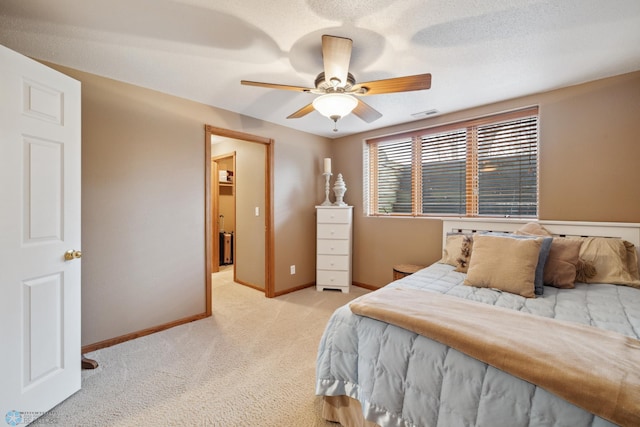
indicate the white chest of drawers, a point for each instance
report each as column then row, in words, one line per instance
column 333, row 247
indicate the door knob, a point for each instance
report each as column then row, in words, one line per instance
column 71, row 254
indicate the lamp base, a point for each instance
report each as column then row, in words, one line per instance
column 326, row 202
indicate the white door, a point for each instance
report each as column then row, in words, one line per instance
column 39, row 221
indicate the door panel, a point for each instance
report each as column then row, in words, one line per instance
column 39, row 221
column 43, row 344
column 42, row 102
column 42, row 201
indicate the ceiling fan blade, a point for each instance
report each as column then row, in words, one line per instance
column 398, row 84
column 366, row 112
column 276, row 86
column 336, row 55
column 302, row 112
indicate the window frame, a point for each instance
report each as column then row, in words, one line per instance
column 472, row 200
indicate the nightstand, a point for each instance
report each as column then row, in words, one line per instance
column 403, row 270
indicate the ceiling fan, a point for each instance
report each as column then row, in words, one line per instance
column 336, row 85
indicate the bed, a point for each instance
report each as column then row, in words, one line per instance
column 418, row 353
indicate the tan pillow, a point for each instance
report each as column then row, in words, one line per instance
column 560, row 269
column 452, row 248
column 611, row 259
column 632, row 260
column 532, row 229
column 505, row 264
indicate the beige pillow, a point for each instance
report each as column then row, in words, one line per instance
column 532, row 229
column 452, row 248
column 611, row 259
column 505, row 264
column 632, row 260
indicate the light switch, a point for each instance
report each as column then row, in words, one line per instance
column 257, row 211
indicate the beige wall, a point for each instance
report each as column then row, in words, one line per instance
column 589, row 154
column 143, row 204
column 143, row 192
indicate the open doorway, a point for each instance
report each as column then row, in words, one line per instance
column 253, row 190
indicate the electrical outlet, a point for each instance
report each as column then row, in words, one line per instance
column 293, row 269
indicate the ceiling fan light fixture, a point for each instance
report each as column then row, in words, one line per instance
column 335, row 105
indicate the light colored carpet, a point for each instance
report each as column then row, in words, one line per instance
column 251, row 364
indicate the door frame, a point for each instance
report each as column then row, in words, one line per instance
column 211, row 226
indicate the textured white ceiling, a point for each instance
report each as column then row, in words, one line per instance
column 478, row 51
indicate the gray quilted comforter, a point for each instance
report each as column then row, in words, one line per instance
column 404, row 379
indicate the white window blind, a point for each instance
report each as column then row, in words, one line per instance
column 507, row 168
column 481, row 167
column 443, row 161
column 393, row 172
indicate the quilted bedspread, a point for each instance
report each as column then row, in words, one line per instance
column 404, row 379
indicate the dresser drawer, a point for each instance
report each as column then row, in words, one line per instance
column 333, row 247
column 332, row 262
column 330, row 215
column 332, row 278
column 334, row 231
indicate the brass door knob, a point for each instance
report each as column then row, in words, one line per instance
column 71, row 254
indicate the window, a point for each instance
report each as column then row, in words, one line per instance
column 482, row 167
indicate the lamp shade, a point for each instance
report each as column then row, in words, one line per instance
column 335, row 105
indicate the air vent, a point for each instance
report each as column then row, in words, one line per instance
column 423, row 114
